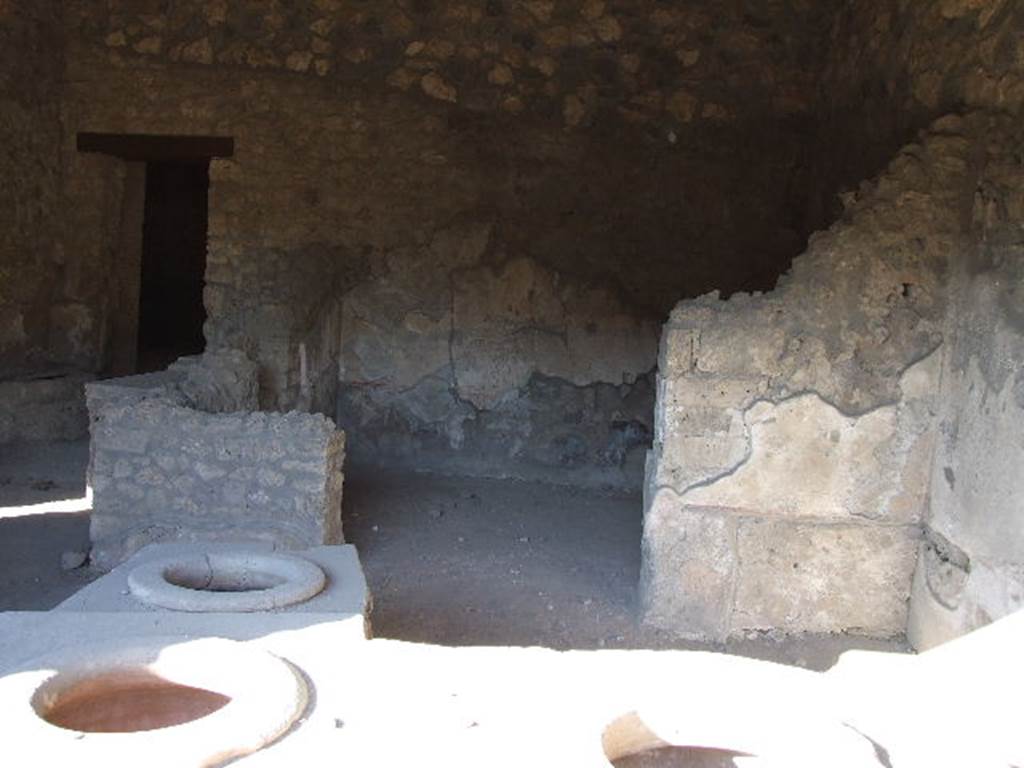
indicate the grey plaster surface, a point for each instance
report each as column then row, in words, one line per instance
column 345, row 592
column 24, row 635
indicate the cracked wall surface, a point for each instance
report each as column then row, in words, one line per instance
column 794, row 430
column 891, row 68
column 971, row 566
column 458, row 225
column 489, row 362
column 847, row 445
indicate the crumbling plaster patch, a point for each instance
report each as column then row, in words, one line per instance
column 348, row 171
column 971, row 564
column 804, row 419
column 838, row 466
column 456, row 339
column 521, row 319
column 493, row 326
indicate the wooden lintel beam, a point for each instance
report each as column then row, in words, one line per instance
column 146, row 147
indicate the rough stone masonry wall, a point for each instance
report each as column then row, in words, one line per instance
column 47, row 408
column 794, row 430
column 41, row 394
column 31, row 69
column 895, row 65
column 971, row 566
column 441, row 214
column 180, row 455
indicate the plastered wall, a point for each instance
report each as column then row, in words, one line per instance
column 459, row 226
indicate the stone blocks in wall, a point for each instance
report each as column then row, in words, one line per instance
column 689, row 568
column 161, row 469
column 221, row 381
column 787, row 515
column 50, row 408
column 767, row 512
column 710, row 573
column 850, row 577
column 794, row 431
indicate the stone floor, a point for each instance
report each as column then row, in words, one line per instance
column 449, row 560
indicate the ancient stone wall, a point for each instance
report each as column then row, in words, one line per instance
column 457, row 220
column 46, row 408
column 180, row 455
column 795, row 430
column 31, row 69
column 894, row 66
column 971, row 566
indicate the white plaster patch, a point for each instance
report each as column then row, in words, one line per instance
column 807, row 460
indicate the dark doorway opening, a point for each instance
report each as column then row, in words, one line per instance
column 156, row 286
column 174, row 229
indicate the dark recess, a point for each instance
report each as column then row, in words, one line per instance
column 171, row 312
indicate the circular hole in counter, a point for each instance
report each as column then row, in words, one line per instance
column 629, row 743
column 124, row 701
column 170, row 700
column 680, row 757
column 220, row 579
column 226, row 581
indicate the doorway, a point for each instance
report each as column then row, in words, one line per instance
column 157, row 311
column 171, row 311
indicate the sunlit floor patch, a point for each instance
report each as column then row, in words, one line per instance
column 79, row 504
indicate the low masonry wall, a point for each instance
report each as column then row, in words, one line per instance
column 179, row 455
column 788, row 482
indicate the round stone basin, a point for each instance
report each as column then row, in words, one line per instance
column 681, row 757
column 226, row 582
column 130, row 700
column 163, row 701
column 740, row 738
column 709, row 710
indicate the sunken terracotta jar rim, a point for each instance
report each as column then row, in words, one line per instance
column 264, row 697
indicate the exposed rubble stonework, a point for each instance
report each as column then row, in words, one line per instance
column 894, row 66
column 459, row 226
column 794, row 430
column 181, row 455
column 792, row 468
column 36, row 312
column 41, row 319
column 44, row 408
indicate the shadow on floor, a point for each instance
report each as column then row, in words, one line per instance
column 35, row 473
column 31, row 548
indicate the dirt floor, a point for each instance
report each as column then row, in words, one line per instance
column 453, row 561
column 461, row 561
column 35, row 479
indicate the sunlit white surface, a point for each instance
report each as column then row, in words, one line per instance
column 57, row 506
